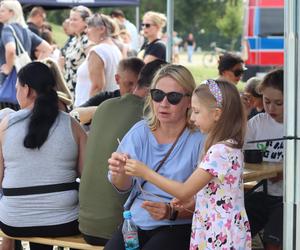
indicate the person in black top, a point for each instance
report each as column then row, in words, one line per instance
column 190, row 44
column 154, row 48
column 35, row 21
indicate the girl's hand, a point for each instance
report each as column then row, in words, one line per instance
column 182, row 205
column 116, row 163
column 136, row 168
column 177, row 204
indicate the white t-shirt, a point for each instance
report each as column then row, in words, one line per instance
column 110, row 55
column 260, row 127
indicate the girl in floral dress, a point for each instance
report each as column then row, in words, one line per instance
column 220, row 220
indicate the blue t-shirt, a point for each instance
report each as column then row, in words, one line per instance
column 141, row 144
column 28, row 39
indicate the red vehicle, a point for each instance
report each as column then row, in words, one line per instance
column 263, row 36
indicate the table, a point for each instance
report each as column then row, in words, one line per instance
column 260, row 173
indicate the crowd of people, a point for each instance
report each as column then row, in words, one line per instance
column 137, row 132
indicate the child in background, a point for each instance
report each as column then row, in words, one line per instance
column 220, row 220
column 252, row 98
column 266, row 211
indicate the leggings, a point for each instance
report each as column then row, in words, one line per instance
column 176, row 237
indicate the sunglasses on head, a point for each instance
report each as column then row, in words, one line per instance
column 146, row 25
column 173, row 98
column 238, row 72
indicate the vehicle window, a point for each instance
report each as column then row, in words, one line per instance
column 271, row 22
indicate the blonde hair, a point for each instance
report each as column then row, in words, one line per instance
column 62, row 90
column 16, row 8
column 98, row 20
column 159, row 19
column 83, row 11
column 184, row 79
column 232, row 122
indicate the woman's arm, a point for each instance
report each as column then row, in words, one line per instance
column 10, row 53
column 96, row 73
column 182, row 191
column 3, row 126
column 149, row 58
column 81, row 138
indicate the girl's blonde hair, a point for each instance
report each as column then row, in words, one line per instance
column 232, row 122
column 62, row 90
column 16, row 8
column 157, row 18
column 183, row 77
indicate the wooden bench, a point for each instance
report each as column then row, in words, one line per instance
column 76, row 241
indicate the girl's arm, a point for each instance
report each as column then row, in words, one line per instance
column 182, row 191
column 96, row 73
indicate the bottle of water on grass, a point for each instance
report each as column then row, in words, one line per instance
column 130, row 232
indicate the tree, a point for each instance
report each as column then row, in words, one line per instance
column 231, row 24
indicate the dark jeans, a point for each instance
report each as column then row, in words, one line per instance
column 175, row 237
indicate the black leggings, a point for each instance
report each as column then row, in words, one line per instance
column 61, row 230
column 175, row 237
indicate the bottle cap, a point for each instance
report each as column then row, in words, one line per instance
column 127, row 215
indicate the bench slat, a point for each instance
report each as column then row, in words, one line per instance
column 76, row 241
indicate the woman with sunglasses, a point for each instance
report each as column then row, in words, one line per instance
column 165, row 135
column 231, row 68
column 153, row 48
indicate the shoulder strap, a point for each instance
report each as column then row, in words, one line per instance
column 128, row 205
column 167, row 154
column 19, row 44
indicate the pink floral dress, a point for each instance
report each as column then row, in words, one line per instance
column 220, row 220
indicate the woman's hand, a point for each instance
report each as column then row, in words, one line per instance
column 157, row 210
column 136, row 168
column 116, row 163
column 5, row 69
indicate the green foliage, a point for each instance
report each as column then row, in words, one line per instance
column 58, row 35
column 231, row 23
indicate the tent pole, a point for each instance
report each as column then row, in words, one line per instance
column 170, row 28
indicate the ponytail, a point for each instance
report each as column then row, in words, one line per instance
column 45, row 110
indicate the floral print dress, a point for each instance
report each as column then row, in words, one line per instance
column 75, row 54
column 220, row 220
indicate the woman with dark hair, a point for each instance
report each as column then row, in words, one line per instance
column 231, row 68
column 40, row 196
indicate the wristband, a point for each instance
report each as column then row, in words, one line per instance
column 173, row 214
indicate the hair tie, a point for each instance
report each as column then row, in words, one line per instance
column 215, row 90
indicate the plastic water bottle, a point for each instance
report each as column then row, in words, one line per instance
column 130, row 232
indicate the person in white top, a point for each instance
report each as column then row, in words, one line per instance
column 130, row 27
column 265, row 211
column 96, row 73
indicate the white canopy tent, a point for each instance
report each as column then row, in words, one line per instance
column 292, row 126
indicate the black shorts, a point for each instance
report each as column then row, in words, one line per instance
column 266, row 212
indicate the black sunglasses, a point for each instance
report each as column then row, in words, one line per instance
column 238, row 72
column 146, row 25
column 173, row 98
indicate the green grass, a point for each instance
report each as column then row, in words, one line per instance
column 58, row 35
